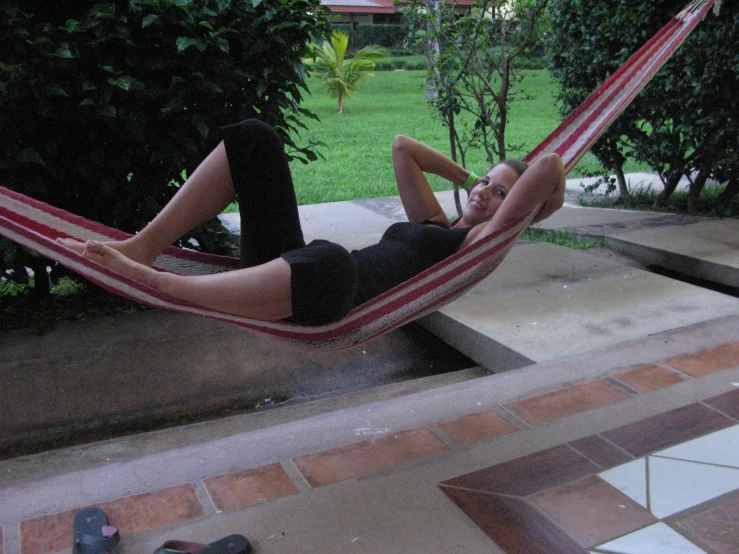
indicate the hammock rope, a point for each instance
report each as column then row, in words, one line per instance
column 37, row 225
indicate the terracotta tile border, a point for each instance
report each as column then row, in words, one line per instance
column 244, row 488
column 566, row 401
column 705, row 362
column 369, row 456
column 647, row 378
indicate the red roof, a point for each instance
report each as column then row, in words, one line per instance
column 372, row 6
column 360, row 6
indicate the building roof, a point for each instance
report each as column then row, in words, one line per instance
column 360, row 6
column 372, row 6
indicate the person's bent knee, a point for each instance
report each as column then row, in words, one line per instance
column 258, row 127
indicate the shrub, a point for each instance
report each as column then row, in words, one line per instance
column 103, row 106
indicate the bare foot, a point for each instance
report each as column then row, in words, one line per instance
column 126, row 247
column 106, row 256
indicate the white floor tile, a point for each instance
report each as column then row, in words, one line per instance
column 655, row 539
column 630, row 479
column 721, row 447
column 675, row 485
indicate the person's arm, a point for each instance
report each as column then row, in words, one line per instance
column 541, row 188
column 411, row 159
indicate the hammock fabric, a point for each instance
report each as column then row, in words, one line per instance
column 36, row 225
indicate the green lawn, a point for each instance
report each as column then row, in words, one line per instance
column 357, row 161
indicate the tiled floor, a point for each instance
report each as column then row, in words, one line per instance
column 650, row 487
column 668, row 483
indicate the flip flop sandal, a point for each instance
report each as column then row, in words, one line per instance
column 233, row 544
column 92, row 534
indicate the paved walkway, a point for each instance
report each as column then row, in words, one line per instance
column 609, row 425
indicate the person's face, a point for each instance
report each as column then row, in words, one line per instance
column 486, row 197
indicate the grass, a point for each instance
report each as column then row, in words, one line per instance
column 357, row 160
column 561, row 238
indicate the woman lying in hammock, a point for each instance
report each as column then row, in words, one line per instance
column 283, row 278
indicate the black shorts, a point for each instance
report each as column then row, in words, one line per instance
column 323, row 282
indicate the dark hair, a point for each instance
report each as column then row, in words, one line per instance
column 519, row 166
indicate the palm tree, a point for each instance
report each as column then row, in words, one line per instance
column 341, row 76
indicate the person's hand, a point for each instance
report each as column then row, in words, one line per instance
column 555, row 201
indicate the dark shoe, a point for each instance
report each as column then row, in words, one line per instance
column 92, row 534
column 233, row 544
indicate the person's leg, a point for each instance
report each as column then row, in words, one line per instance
column 270, row 223
column 205, row 194
column 260, row 292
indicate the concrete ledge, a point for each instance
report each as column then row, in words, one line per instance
column 707, row 250
column 546, row 302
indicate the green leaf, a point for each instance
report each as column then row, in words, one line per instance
column 183, row 43
column 72, row 25
column 123, row 82
column 107, row 68
column 201, row 124
column 52, row 89
column 174, row 105
column 222, row 44
column 40, row 40
column 206, row 25
column 148, row 20
column 87, row 102
column 256, row 3
column 64, row 52
column 29, row 155
column 9, row 67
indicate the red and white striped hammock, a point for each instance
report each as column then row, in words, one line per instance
column 36, row 225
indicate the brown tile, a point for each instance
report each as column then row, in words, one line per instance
column 250, row 486
column 648, row 378
column 365, row 457
column 600, row 451
column 727, row 403
column 708, row 361
column 514, row 525
column 591, row 511
column 132, row 514
column 478, row 427
column 528, row 474
column 567, row 401
column 668, row 429
column 716, row 527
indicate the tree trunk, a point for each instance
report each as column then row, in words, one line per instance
column 670, row 185
column 41, row 283
column 696, row 187
column 453, row 150
column 433, row 51
column 341, row 103
column 728, row 194
column 623, row 189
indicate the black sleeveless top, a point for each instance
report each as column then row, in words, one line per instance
column 404, row 251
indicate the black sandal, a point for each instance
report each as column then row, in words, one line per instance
column 233, row 544
column 92, row 534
